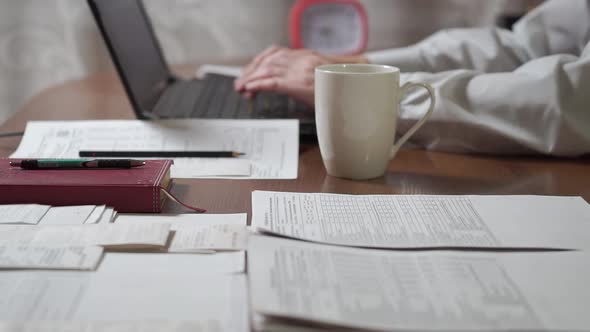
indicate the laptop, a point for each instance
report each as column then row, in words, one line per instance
column 154, row 91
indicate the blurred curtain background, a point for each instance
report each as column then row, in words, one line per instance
column 43, row 43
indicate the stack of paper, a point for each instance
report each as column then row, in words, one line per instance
column 131, row 290
column 33, row 214
column 73, row 247
column 392, row 290
column 146, row 236
column 22, row 213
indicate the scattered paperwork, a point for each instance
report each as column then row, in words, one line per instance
column 138, row 264
column 392, row 290
column 108, row 216
column 185, row 219
column 111, row 326
column 211, row 167
column 96, row 215
column 271, row 147
column 211, row 303
column 35, row 214
column 145, row 236
column 68, row 215
column 39, row 257
column 199, row 233
column 22, row 213
column 425, row 221
column 217, row 237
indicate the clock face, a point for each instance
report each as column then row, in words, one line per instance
column 332, row 28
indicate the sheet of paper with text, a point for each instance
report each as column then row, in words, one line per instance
column 64, row 257
column 271, row 147
column 419, row 290
column 123, row 303
column 198, row 233
column 111, row 235
column 425, row 221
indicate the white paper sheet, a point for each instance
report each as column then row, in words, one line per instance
column 389, row 290
column 137, row 265
column 110, row 326
column 67, row 215
column 210, row 167
column 419, row 221
column 22, row 213
column 38, row 257
column 136, row 236
column 96, row 215
column 187, row 219
column 224, row 262
column 215, row 237
column 214, row 303
column 271, row 146
column 108, row 216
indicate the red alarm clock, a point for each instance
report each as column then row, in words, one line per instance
column 334, row 27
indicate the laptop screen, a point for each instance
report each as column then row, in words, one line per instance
column 134, row 49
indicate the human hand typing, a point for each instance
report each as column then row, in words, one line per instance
column 286, row 71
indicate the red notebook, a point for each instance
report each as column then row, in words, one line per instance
column 127, row 190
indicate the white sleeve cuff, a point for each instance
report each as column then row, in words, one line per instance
column 406, row 58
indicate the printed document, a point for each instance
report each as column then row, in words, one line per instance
column 184, row 219
column 112, row 326
column 184, row 168
column 31, row 214
column 392, row 290
column 216, row 237
column 22, row 213
column 425, row 221
column 226, row 262
column 68, row 215
column 198, row 233
column 271, row 147
column 137, row 264
column 38, row 257
column 145, row 236
column 210, row 303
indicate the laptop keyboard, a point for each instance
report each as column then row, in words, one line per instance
column 215, row 97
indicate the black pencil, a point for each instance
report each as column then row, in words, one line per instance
column 161, row 154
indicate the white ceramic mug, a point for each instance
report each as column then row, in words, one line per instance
column 356, row 110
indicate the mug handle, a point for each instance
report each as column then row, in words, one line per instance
column 419, row 124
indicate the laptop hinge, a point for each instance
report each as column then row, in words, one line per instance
column 148, row 115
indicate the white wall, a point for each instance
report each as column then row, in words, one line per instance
column 47, row 42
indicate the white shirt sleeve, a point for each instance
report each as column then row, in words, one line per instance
column 504, row 92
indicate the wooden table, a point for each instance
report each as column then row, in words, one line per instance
column 101, row 96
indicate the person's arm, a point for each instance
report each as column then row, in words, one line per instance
column 553, row 28
column 542, row 107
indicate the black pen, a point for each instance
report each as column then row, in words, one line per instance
column 161, row 154
column 76, row 163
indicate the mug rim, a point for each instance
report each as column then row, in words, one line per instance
column 336, row 68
